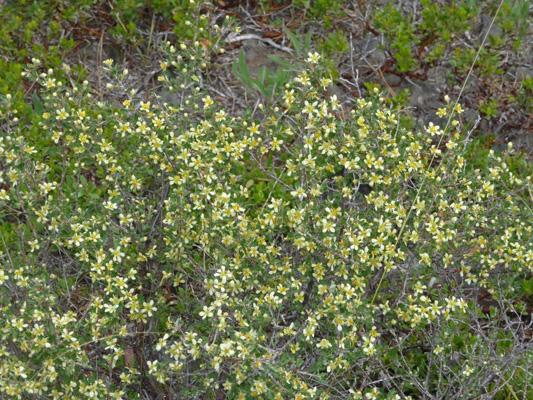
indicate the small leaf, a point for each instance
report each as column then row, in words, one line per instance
column 236, row 71
column 528, row 286
column 282, row 62
column 245, row 71
column 262, row 89
column 39, row 107
column 295, row 42
column 262, row 75
column 307, row 45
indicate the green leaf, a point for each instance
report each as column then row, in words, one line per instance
column 282, row 62
column 393, row 354
column 307, row 45
column 262, row 75
column 528, row 286
column 39, row 107
column 262, row 89
column 295, row 42
column 243, row 67
column 236, row 71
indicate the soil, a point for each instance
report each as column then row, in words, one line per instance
column 367, row 60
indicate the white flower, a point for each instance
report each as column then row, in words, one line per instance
column 300, row 193
column 152, row 366
column 313, row 58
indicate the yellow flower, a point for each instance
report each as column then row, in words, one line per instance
column 208, row 102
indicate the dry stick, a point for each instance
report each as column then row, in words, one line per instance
column 99, row 62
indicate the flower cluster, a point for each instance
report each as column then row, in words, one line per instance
column 243, row 251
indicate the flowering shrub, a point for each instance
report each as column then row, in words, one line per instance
column 138, row 259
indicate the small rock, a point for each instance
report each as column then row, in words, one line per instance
column 430, row 112
column 93, row 53
column 520, row 74
column 334, row 90
column 471, row 118
column 437, row 76
column 256, row 56
column 483, row 127
column 372, row 57
column 494, row 30
column 391, row 79
column 423, row 93
column 522, row 140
